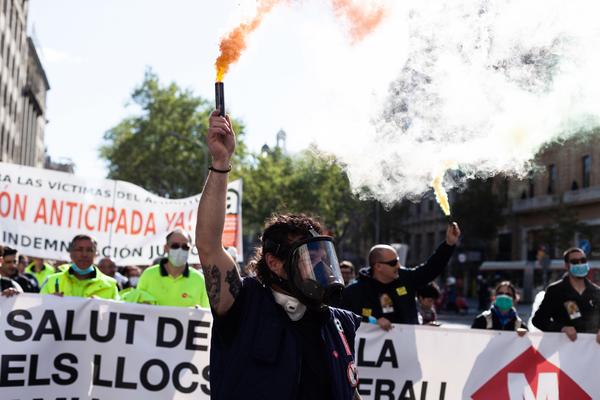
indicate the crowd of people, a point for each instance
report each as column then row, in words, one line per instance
column 285, row 325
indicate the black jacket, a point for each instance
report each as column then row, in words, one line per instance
column 395, row 300
column 489, row 320
column 6, row 283
column 563, row 306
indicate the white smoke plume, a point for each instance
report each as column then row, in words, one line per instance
column 485, row 85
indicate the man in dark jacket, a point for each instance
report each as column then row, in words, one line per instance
column 10, row 270
column 385, row 291
column 571, row 304
column 273, row 337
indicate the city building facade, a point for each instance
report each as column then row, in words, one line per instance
column 23, row 88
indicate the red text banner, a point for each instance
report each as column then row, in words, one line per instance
column 41, row 210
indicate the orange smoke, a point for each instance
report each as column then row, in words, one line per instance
column 234, row 43
column 362, row 19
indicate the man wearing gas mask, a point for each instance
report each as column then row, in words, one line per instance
column 273, row 337
column 172, row 282
column 572, row 304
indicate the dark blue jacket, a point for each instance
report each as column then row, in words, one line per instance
column 255, row 352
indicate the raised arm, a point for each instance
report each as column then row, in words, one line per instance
column 221, row 275
column 438, row 261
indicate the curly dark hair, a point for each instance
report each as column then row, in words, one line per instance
column 279, row 233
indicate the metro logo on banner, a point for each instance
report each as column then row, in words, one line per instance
column 531, row 377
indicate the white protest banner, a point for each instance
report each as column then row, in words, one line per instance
column 41, row 210
column 429, row 363
column 71, row 347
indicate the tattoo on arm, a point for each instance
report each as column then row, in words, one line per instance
column 234, row 281
column 213, row 284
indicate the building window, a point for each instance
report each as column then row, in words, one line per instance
column 417, row 247
column 530, row 185
column 418, row 208
column 586, row 162
column 552, row 178
column 430, row 242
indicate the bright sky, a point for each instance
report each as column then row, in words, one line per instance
column 299, row 72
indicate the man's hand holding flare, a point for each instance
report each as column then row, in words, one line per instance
column 220, row 140
column 452, row 234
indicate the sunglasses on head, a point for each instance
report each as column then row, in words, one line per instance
column 391, row 263
column 578, row 260
column 176, row 246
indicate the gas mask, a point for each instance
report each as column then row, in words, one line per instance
column 313, row 271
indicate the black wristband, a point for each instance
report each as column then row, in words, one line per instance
column 220, row 171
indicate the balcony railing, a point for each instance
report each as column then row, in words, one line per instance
column 587, row 195
column 535, row 203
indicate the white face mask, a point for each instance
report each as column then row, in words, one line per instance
column 133, row 281
column 292, row 306
column 178, row 257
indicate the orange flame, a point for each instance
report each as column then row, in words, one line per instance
column 234, row 43
column 363, row 19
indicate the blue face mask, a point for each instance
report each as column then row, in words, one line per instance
column 503, row 302
column 80, row 271
column 579, row 270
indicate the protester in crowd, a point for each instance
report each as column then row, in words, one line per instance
column 385, row 291
column 82, row 278
column 348, row 272
column 109, row 268
column 272, row 331
column 9, row 270
column 22, row 263
column 39, row 269
column 8, row 287
column 130, row 292
column 572, row 304
column 132, row 273
column 502, row 315
column 172, row 282
column 427, row 296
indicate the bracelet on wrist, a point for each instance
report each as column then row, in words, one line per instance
column 220, row 171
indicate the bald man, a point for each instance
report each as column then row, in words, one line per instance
column 385, row 290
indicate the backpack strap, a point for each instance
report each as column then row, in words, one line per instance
column 489, row 322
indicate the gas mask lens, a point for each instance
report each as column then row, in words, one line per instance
column 316, row 271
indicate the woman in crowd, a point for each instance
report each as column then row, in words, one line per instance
column 502, row 315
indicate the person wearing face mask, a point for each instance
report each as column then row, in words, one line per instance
column 82, row 278
column 572, row 304
column 172, row 282
column 273, row 337
column 502, row 315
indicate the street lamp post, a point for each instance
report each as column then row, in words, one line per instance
column 201, row 145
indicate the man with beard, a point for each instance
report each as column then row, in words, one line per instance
column 10, row 270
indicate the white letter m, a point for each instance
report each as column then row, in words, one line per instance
column 519, row 389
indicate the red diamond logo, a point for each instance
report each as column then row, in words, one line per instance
column 530, row 377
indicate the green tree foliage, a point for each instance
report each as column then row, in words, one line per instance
column 307, row 183
column 162, row 148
